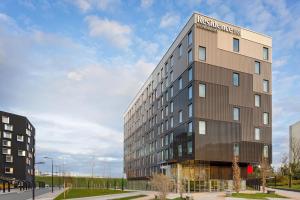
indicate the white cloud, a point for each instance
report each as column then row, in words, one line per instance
column 169, row 20
column 86, row 5
column 146, row 3
column 118, row 34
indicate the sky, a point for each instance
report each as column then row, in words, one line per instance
column 73, row 66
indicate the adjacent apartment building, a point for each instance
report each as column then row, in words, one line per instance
column 208, row 99
column 17, row 136
column 294, row 139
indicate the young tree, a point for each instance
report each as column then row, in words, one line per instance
column 162, row 184
column 236, row 172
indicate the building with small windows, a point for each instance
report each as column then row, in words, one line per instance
column 17, row 136
column 208, row 99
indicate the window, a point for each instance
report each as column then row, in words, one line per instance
column 180, row 83
column 7, row 135
column 9, row 170
column 21, row 153
column 6, row 143
column 167, row 125
column 8, row 127
column 265, row 53
column 190, row 74
column 180, row 116
column 236, row 149
column 171, row 91
column 166, row 154
column 171, row 76
column 180, row 150
column 171, row 137
column 172, row 106
column 266, row 85
column 6, row 151
column 190, row 110
column 167, row 110
column 236, row 45
column 5, row 119
column 162, row 114
column 172, row 122
column 190, row 92
column 9, row 159
column 172, row 61
column 190, row 147
column 266, row 118
column 236, row 79
column 190, row 56
column 162, row 127
column 166, row 140
column 266, row 151
column 180, row 50
column 162, row 86
column 202, row 53
column 257, row 67
column 167, row 96
column 190, row 128
column 236, row 114
column 171, row 153
column 190, row 38
column 202, row 127
column 257, row 100
column 257, row 134
column 202, row 90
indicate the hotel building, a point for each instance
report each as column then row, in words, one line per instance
column 208, row 99
column 17, row 137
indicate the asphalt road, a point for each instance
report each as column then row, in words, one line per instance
column 24, row 195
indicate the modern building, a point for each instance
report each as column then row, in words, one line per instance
column 294, row 138
column 208, row 99
column 17, row 136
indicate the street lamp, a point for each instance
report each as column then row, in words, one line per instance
column 46, row 157
column 33, row 177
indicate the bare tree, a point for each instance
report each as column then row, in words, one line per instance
column 162, row 184
column 264, row 171
column 236, row 172
column 294, row 155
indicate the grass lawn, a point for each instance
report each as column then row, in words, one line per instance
column 77, row 193
column 256, row 195
column 132, row 197
column 295, row 187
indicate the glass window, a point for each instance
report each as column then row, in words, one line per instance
column 9, row 170
column 21, row 153
column 8, row 127
column 202, row 53
column 180, row 116
column 190, row 147
column 167, row 96
column 202, row 127
column 162, row 127
column 190, row 128
column 171, row 137
column 171, row 153
column 5, row 119
column 236, row 79
column 180, row 150
column 172, row 106
column 7, row 135
column 180, row 83
column 180, row 50
column 167, row 110
column 190, row 110
column 266, row 151
column 236, row 45
column 266, row 85
column 265, row 53
column 266, row 118
column 9, row 159
column 202, row 90
column 257, row 100
column 236, row 114
column 172, row 122
column 190, row 56
column 236, row 149
column 190, row 74
column 6, row 151
column 167, row 125
column 171, row 76
column 257, row 67
column 172, row 61
column 162, row 114
column 190, row 38
column 6, row 143
column 190, row 92
column 257, row 134
column 172, row 91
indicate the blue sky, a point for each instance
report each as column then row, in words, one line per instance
column 73, row 66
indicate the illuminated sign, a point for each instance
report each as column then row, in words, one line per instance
column 213, row 25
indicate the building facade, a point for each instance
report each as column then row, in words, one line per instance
column 294, row 139
column 209, row 99
column 17, row 149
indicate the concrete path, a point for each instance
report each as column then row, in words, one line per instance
column 49, row 195
column 290, row 194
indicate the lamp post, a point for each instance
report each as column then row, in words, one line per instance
column 51, row 171
column 33, row 177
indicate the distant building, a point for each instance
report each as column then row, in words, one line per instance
column 208, row 99
column 17, row 136
column 294, row 137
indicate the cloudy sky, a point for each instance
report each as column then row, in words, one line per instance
column 73, row 66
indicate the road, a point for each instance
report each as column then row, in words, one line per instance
column 24, row 195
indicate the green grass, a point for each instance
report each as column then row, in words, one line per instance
column 256, row 195
column 77, row 193
column 132, row 197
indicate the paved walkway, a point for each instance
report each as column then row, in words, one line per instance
column 49, row 195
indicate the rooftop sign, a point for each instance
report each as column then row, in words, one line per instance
column 213, row 25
